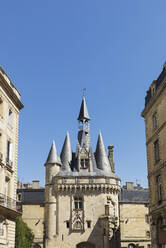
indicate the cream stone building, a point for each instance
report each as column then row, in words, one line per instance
column 30, row 200
column 81, row 193
column 134, row 217
column 154, row 114
column 10, row 106
column 134, row 231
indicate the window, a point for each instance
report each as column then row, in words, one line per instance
column 88, row 224
column 1, row 107
column 148, row 234
column 78, row 202
column 159, row 188
column 156, row 151
column 9, row 153
column 147, row 218
column 154, row 120
column 148, row 246
column 1, row 227
column 10, row 117
column 19, row 197
column 84, row 163
column 67, row 224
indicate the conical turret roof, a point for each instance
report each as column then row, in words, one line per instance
column 83, row 115
column 53, row 156
column 101, row 155
column 66, row 154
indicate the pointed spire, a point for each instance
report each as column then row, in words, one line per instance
column 66, row 154
column 83, row 115
column 101, row 155
column 53, row 156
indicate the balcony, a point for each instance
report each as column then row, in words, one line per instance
column 8, row 207
column 9, row 162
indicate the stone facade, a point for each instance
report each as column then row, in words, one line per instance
column 81, row 193
column 155, row 123
column 134, row 217
column 30, row 200
column 10, row 105
column 133, row 210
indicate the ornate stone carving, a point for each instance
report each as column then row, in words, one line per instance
column 77, row 220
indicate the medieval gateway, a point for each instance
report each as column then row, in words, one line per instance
column 81, row 199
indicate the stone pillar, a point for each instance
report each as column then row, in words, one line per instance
column 111, row 157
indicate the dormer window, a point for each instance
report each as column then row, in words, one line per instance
column 84, row 163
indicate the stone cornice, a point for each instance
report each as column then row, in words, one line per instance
column 98, row 188
column 157, row 169
column 156, row 133
column 153, row 99
column 9, row 91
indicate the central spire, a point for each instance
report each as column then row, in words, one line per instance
column 83, row 119
column 83, row 115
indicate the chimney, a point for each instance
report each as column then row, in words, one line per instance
column 18, row 184
column 129, row 185
column 27, row 185
column 111, row 157
column 35, row 184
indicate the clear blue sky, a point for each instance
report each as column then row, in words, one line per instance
column 52, row 49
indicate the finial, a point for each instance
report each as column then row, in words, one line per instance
column 83, row 91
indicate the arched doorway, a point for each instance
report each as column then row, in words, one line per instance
column 36, row 246
column 85, row 245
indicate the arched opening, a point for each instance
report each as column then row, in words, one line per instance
column 36, row 246
column 85, row 245
column 131, row 245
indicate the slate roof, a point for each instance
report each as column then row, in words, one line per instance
column 160, row 80
column 32, row 196
column 36, row 196
column 99, row 164
column 135, row 195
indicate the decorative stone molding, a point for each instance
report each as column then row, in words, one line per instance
column 98, row 188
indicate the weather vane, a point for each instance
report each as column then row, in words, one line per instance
column 84, row 89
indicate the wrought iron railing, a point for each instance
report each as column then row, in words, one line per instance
column 7, row 202
column 9, row 162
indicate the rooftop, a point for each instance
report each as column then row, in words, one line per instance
column 155, row 85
